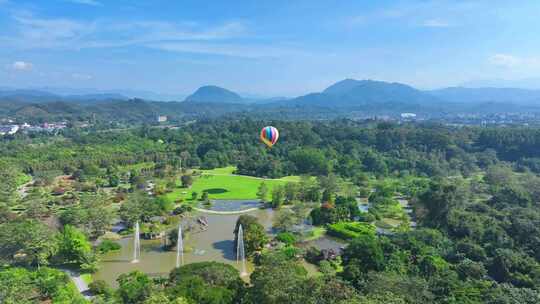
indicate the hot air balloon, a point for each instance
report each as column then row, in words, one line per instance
column 269, row 136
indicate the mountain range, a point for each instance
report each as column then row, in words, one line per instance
column 361, row 93
column 482, row 95
column 345, row 93
column 38, row 96
column 49, row 94
column 364, row 97
column 351, row 93
column 213, row 94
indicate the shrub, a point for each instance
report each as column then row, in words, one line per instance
column 366, row 217
column 345, row 230
column 326, row 268
column 108, row 245
column 100, row 287
column 292, row 252
column 182, row 209
column 287, row 238
column 313, row 255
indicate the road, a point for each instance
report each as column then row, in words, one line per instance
column 79, row 282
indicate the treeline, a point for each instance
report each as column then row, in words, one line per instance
column 344, row 147
column 122, row 112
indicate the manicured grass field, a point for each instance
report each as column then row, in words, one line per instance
column 220, row 183
column 224, row 170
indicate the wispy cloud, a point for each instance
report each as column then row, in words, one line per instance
column 512, row 62
column 435, row 23
column 59, row 33
column 21, row 66
column 252, row 51
column 434, row 14
column 161, row 31
column 188, row 37
column 47, row 33
column 378, row 15
column 78, row 76
column 86, row 2
column 505, row 60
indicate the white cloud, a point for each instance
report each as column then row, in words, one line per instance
column 226, row 49
column 505, row 60
column 169, row 31
column 47, row 33
column 86, row 2
column 78, row 76
column 434, row 14
column 435, row 23
column 514, row 62
column 21, row 66
column 68, row 34
column 60, row 33
column 375, row 16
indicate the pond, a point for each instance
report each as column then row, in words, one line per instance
column 214, row 244
column 232, row 205
column 326, row 242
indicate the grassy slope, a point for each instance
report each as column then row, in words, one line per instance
column 222, row 184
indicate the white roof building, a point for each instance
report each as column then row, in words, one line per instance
column 9, row 129
column 408, row 115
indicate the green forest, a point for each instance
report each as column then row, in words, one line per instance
column 453, row 212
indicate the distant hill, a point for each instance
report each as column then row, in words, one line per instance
column 342, row 87
column 36, row 96
column 349, row 97
column 214, row 94
column 28, row 96
column 125, row 93
column 95, row 97
column 365, row 93
column 481, row 95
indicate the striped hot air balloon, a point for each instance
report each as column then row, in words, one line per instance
column 269, row 136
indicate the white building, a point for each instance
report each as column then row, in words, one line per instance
column 162, row 118
column 9, row 129
column 408, row 115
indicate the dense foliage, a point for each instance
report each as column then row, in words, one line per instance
column 473, row 194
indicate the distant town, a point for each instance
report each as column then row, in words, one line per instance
column 9, row 127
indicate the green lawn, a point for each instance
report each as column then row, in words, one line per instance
column 221, row 184
column 87, row 278
column 23, row 179
column 225, row 170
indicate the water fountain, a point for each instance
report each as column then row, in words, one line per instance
column 136, row 244
column 240, row 254
column 179, row 248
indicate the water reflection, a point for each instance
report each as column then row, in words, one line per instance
column 233, row 205
column 214, row 244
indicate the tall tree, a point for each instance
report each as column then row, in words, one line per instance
column 262, row 192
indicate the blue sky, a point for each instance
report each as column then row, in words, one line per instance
column 265, row 47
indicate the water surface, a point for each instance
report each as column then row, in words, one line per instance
column 214, row 244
